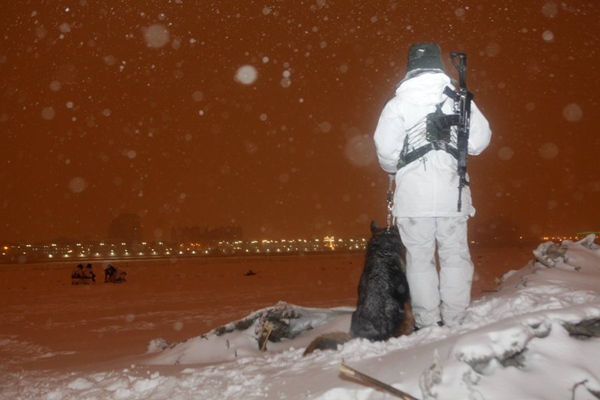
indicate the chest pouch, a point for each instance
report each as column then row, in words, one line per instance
column 437, row 125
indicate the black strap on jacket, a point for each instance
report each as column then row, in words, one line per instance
column 421, row 151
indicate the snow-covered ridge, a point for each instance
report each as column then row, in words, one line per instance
column 535, row 338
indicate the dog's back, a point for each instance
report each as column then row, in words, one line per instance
column 383, row 309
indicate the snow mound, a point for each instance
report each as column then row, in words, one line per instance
column 271, row 329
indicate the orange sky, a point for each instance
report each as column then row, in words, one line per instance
column 108, row 108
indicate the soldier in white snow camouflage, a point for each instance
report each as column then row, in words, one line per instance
column 425, row 201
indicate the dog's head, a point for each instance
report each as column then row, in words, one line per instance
column 377, row 230
column 387, row 238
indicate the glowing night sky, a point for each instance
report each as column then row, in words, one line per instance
column 261, row 114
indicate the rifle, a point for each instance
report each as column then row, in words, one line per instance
column 462, row 108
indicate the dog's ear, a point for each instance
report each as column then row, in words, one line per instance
column 374, row 227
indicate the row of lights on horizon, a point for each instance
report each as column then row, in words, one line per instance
column 253, row 246
column 54, row 250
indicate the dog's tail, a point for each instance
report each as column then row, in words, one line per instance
column 328, row 341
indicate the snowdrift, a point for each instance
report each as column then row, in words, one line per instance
column 536, row 337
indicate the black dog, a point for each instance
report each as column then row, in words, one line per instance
column 383, row 310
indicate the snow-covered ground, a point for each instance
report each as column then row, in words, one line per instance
column 187, row 329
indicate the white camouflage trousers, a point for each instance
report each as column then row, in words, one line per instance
column 444, row 297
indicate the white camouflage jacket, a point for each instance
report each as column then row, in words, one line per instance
column 427, row 187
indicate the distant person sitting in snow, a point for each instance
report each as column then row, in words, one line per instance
column 77, row 274
column 88, row 273
column 109, row 273
column 77, row 271
column 113, row 275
